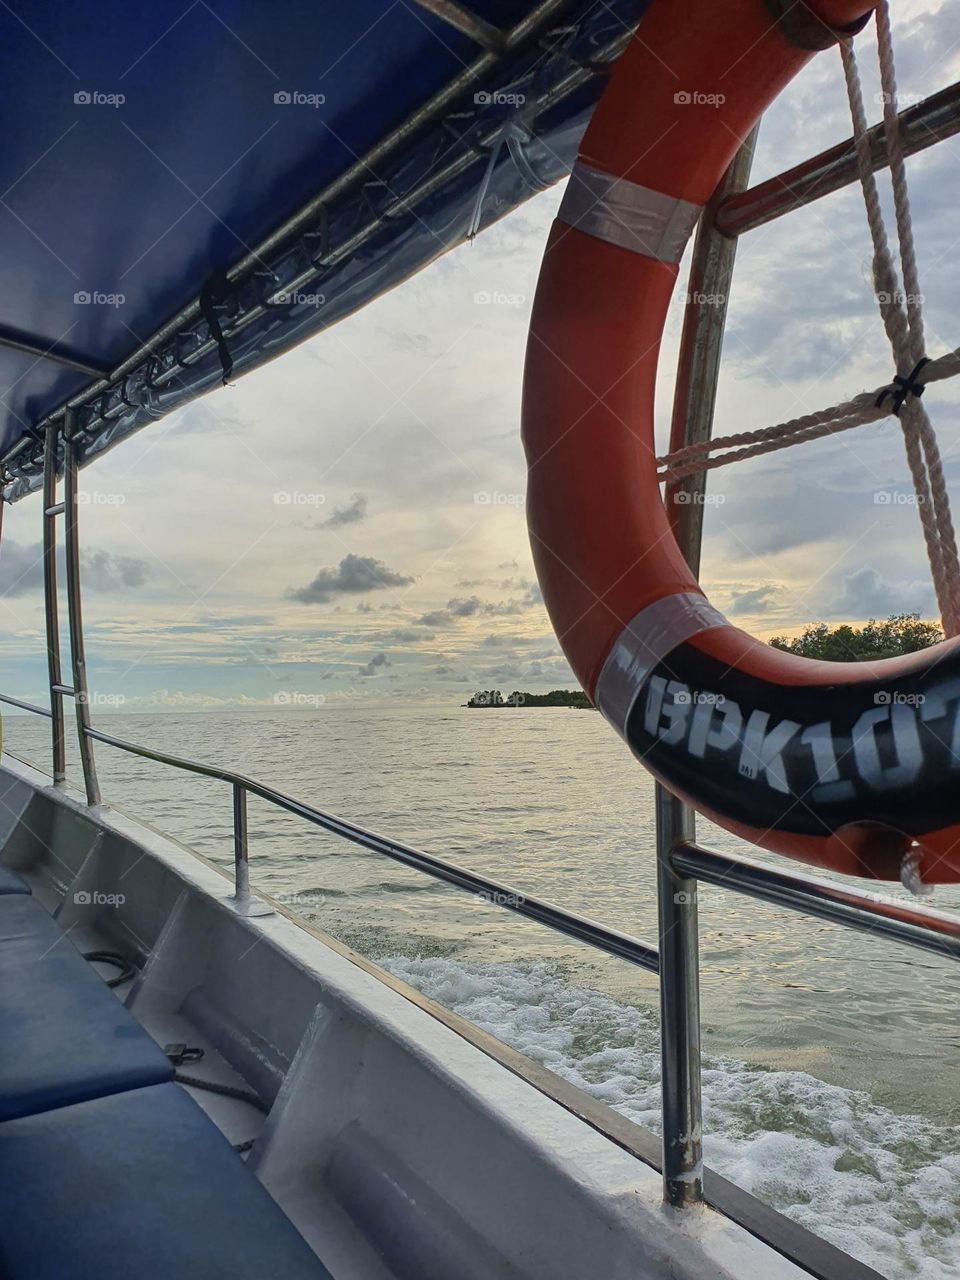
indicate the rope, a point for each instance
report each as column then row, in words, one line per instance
column 127, row 968
column 902, row 316
column 225, row 1090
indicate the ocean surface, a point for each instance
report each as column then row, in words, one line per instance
column 830, row 1075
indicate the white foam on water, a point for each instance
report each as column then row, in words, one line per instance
column 881, row 1186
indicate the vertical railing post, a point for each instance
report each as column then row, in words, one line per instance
column 679, row 1009
column 241, row 844
column 241, row 899
column 75, row 610
column 697, row 373
column 50, row 604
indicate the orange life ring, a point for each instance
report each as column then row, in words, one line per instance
column 839, row 765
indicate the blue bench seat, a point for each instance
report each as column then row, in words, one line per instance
column 10, row 882
column 65, row 1036
column 138, row 1186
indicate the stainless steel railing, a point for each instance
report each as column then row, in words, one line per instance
column 573, row 925
column 681, row 863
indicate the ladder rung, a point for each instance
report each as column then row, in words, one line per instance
column 66, row 689
column 56, row 510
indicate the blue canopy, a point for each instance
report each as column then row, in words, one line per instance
column 190, row 189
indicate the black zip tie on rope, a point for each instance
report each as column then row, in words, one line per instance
column 908, row 386
column 215, row 292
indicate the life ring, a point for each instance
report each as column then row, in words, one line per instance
column 848, row 766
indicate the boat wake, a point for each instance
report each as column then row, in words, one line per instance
column 883, row 1187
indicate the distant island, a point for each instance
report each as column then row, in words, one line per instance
column 575, row 698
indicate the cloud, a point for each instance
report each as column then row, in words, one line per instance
column 353, row 575
column 376, row 663
column 758, row 600
column 102, row 571
column 404, row 635
column 466, row 607
column 472, row 606
column 866, row 593
column 351, row 512
column 21, row 569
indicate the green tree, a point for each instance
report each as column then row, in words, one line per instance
column 901, row 633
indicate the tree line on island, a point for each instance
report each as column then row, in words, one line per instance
column 901, row 633
column 555, row 698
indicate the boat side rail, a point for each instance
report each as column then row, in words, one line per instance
column 570, row 923
column 880, row 914
column 883, row 915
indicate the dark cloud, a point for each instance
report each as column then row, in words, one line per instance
column 466, row 607
column 473, row 607
column 353, row 575
column 866, row 593
column 102, row 571
column 404, row 635
column 351, row 512
column 376, row 663
column 758, row 600
column 21, row 569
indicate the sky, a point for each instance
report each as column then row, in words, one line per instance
column 347, row 523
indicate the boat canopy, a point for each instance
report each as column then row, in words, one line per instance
column 187, row 192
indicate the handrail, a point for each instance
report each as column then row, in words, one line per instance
column 869, row 913
column 612, row 941
column 921, row 126
column 26, row 706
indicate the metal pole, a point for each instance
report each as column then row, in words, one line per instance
column 242, row 901
column 879, row 914
column 679, row 1009
column 467, row 23
column 50, row 604
column 705, row 319
column 81, row 690
column 698, row 371
column 929, row 122
column 241, row 844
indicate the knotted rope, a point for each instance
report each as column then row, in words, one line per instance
column 902, row 316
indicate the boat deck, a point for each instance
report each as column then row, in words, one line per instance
column 395, row 1143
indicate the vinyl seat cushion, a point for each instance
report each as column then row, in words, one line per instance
column 10, row 882
column 66, row 1037
column 140, row 1184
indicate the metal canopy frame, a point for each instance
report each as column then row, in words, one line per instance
column 681, row 862
column 467, row 23
column 298, row 254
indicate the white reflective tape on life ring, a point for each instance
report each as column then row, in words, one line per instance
column 643, row 643
column 629, row 215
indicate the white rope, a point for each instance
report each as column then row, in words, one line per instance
column 902, row 317
column 859, row 411
column 901, row 312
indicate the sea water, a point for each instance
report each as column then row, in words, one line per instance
column 830, row 1085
